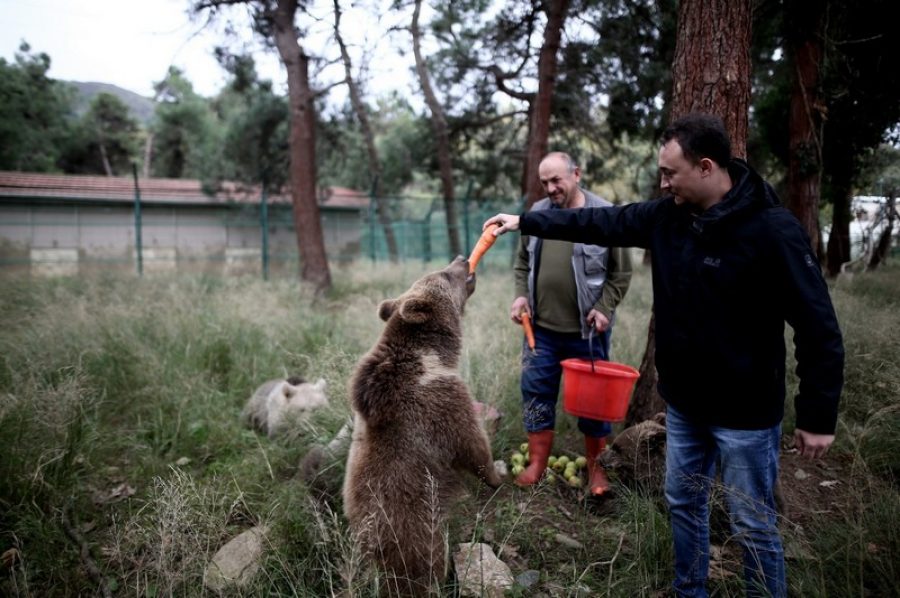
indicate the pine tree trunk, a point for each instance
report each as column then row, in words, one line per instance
column 441, row 137
column 711, row 73
column 541, row 106
column 804, row 19
column 307, row 219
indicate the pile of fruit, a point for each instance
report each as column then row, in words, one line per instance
column 570, row 469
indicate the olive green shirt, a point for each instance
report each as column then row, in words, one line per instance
column 555, row 294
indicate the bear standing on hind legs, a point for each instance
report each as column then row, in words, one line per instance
column 414, row 431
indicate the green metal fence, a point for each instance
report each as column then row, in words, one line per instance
column 66, row 235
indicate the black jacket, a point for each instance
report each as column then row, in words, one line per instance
column 724, row 283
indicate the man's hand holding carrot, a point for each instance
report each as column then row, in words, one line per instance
column 507, row 223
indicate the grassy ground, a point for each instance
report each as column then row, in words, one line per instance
column 125, row 465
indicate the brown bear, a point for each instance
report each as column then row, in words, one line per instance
column 414, row 432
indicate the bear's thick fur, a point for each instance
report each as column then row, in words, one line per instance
column 278, row 403
column 414, row 432
column 637, row 455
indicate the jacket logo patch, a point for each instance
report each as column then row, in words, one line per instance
column 714, row 262
column 809, row 261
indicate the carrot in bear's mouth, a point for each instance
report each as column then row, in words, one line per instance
column 484, row 243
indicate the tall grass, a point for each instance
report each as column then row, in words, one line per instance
column 120, row 402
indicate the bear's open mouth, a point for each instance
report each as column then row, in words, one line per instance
column 470, row 284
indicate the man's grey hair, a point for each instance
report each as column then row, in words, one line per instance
column 571, row 164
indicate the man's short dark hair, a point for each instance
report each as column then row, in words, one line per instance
column 700, row 136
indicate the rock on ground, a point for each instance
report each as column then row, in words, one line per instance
column 480, row 572
column 237, row 562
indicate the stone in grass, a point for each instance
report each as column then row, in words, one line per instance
column 237, row 562
column 480, row 573
column 529, row 578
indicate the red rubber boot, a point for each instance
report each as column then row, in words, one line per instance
column 539, row 445
column 598, row 483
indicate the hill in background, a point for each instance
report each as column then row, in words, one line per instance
column 141, row 108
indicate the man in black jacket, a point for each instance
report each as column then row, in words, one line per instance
column 730, row 266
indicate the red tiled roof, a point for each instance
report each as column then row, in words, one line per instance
column 188, row 191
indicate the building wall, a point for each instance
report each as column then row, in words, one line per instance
column 72, row 237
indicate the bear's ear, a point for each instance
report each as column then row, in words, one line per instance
column 416, row 310
column 320, row 384
column 387, row 309
column 289, row 390
column 656, row 437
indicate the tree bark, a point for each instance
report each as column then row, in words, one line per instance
column 148, row 154
column 441, row 136
column 541, row 106
column 882, row 248
column 804, row 19
column 646, row 402
column 307, row 219
column 711, row 73
column 371, row 150
column 104, row 157
column 838, row 251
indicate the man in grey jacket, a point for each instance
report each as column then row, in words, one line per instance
column 570, row 290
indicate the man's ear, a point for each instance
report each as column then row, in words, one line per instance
column 387, row 309
column 706, row 166
column 416, row 310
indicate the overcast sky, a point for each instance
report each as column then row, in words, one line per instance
column 132, row 43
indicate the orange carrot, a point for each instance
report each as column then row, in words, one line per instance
column 484, row 243
column 529, row 330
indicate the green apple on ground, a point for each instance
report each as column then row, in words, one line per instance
column 576, row 482
column 517, row 469
column 517, row 458
column 581, row 462
column 523, row 448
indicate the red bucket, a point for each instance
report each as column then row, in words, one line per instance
column 601, row 392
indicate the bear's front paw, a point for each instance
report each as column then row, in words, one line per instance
column 497, row 474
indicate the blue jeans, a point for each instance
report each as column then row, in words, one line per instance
column 749, row 465
column 541, row 373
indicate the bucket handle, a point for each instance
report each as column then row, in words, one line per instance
column 591, row 346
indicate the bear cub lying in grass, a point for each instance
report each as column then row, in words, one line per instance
column 414, row 432
column 277, row 404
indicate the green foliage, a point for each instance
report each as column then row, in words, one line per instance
column 403, row 140
column 105, row 132
column 186, row 140
column 256, row 126
column 880, row 171
column 630, row 60
column 34, row 113
column 862, row 88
